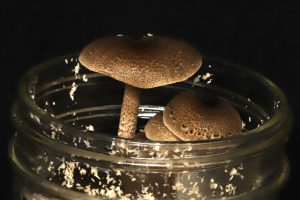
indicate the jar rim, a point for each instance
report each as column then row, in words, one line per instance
column 279, row 115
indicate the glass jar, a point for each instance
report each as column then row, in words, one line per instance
column 66, row 144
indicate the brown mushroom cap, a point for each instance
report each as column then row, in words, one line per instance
column 156, row 130
column 145, row 63
column 195, row 115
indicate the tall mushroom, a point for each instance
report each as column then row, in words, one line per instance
column 146, row 63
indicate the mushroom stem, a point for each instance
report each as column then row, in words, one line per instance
column 129, row 112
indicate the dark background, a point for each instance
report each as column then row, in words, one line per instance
column 258, row 34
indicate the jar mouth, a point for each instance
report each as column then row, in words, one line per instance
column 26, row 93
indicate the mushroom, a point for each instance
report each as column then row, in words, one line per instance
column 146, row 63
column 155, row 130
column 194, row 115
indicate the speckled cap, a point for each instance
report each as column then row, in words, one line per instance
column 146, row 63
column 195, row 115
column 155, row 130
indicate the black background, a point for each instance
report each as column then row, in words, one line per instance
column 258, row 34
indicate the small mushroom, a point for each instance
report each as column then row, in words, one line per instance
column 194, row 115
column 146, row 63
column 155, row 130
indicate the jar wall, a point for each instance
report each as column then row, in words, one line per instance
column 57, row 156
column 246, row 178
